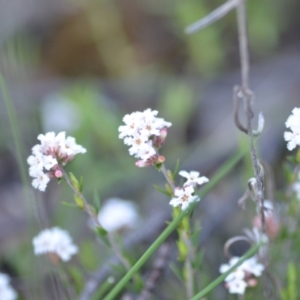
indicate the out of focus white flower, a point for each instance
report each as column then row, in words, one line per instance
column 193, row 177
column 55, row 240
column 144, row 133
column 184, row 197
column 293, row 136
column 241, row 276
column 59, row 113
column 6, row 291
column 53, row 152
column 117, row 214
column 252, row 266
column 236, row 286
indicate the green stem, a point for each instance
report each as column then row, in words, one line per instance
column 221, row 278
column 228, row 165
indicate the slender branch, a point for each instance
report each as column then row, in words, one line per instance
column 214, row 16
column 165, row 173
column 248, row 96
column 93, row 216
column 189, row 272
column 86, row 207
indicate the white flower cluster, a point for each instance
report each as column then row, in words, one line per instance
column 55, row 240
column 47, row 157
column 185, row 196
column 242, row 276
column 144, row 133
column 117, row 214
column 6, row 291
column 293, row 123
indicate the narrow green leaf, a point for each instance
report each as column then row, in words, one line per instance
column 74, row 181
column 69, row 204
column 79, row 201
column 97, row 201
column 161, row 190
column 176, row 169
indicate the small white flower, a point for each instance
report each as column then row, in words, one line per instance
column 193, row 177
column 294, row 119
column 237, row 286
column 140, row 132
column 55, row 240
column 43, row 242
column 6, row 291
column 237, row 273
column 40, row 181
column 293, row 122
column 117, row 214
column 293, row 138
column 252, row 266
column 54, row 150
column 184, row 197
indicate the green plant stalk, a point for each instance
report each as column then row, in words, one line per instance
column 221, row 278
column 16, row 135
column 30, row 203
column 228, row 165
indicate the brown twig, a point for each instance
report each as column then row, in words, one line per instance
column 248, row 97
column 214, row 16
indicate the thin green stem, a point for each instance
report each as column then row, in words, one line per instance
column 173, row 225
column 221, row 278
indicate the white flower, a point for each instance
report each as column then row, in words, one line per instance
column 237, row 286
column 144, row 133
column 293, row 122
column 294, row 119
column 252, row 266
column 53, row 151
column 54, row 240
column 237, row 273
column 193, row 177
column 293, row 138
column 117, row 214
column 184, row 197
column 236, row 281
column 40, row 181
column 6, row 291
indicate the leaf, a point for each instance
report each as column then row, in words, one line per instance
column 176, row 168
column 102, row 234
column 69, row 204
column 74, row 181
column 177, row 272
column 97, row 201
column 161, row 190
column 80, row 186
column 79, row 201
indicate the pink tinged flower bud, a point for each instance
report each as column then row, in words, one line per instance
column 159, row 140
column 160, row 159
column 142, row 163
column 252, row 282
column 58, row 174
column 163, row 134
